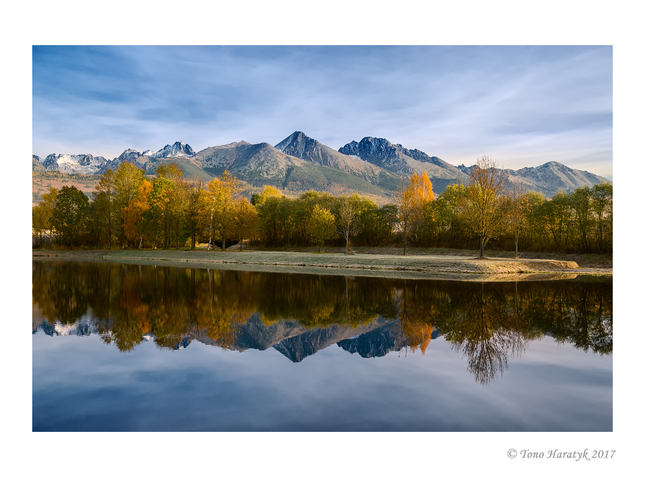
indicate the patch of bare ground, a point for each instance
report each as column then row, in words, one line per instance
column 373, row 262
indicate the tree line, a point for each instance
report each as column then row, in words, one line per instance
column 131, row 210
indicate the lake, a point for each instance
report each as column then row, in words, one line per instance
column 149, row 348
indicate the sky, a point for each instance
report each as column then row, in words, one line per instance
column 521, row 105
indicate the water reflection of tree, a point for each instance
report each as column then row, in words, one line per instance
column 488, row 322
column 483, row 324
column 324, row 300
column 417, row 306
column 63, row 296
column 576, row 312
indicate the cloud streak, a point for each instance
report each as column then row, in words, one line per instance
column 519, row 104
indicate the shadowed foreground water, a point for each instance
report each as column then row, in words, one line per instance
column 148, row 348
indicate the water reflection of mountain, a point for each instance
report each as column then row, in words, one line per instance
column 379, row 342
column 299, row 315
column 288, row 337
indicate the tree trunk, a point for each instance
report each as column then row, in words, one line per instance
column 405, row 237
column 517, row 239
column 210, row 232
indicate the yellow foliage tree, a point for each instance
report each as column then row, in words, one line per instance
column 246, row 220
column 411, row 197
column 321, row 226
column 218, row 206
column 485, row 200
column 133, row 214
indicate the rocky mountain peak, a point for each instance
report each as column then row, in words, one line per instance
column 178, row 149
column 296, row 144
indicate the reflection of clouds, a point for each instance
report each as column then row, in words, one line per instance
column 554, row 387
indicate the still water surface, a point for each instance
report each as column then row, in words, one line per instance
column 148, row 348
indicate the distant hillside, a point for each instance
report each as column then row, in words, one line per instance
column 42, row 181
column 549, row 178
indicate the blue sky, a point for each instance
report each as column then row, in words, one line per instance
column 523, row 106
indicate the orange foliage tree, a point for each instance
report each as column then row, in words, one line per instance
column 411, row 198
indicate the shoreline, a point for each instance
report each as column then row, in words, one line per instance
column 444, row 267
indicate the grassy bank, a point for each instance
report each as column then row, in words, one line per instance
column 372, row 262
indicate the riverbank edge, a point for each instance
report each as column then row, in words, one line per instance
column 410, row 266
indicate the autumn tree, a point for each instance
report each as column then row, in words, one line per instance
column 218, row 207
column 127, row 181
column 193, row 221
column 177, row 203
column 411, row 198
column 158, row 215
column 602, row 201
column 70, row 214
column 246, row 220
column 135, row 212
column 580, row 201
column 347, row 218
column 448, row 215
column 104, row 204
column 321, row 226
column 267, row 191
column 42, row 215
column 484, row 202
column 515, row 210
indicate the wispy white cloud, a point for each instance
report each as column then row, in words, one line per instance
column 458, row 103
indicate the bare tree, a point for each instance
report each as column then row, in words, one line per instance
column 347, row 220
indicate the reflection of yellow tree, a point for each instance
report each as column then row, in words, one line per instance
column 226, row 301
column 416, row 313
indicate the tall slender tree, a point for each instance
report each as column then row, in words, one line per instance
column 602, row 195
column 411, row 198
column 104, row 199
column 246, row 220
column 218, row 206
column 347, row 218
column 127, row 181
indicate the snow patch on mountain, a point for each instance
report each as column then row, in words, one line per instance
column 75, row 163
column 178, row 149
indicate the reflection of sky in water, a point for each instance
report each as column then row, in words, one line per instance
column 80, row 383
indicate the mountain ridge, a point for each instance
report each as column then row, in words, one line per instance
column 372, row 166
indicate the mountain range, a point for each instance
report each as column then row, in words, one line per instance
column 372, row 167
